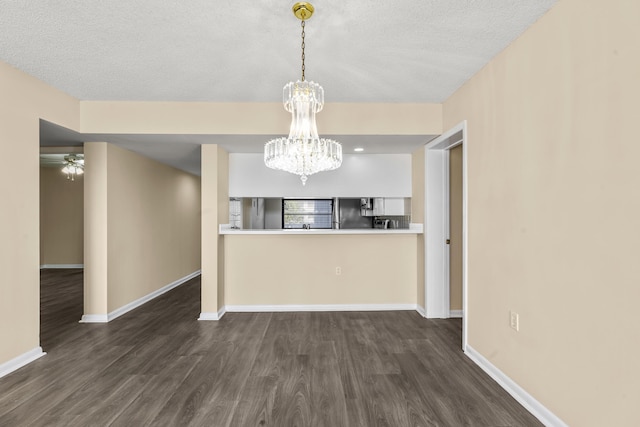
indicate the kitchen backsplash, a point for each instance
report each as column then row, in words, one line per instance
column 397, row 221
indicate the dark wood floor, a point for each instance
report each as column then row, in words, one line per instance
column 158, row 365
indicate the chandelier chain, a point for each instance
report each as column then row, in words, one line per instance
column 303, row 34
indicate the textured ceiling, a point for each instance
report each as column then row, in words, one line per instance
column 241, row 51
column 245, row 51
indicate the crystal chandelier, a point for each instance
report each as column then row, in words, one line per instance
column 303, row 152
column 73, row 166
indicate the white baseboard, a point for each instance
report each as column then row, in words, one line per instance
column 421, row 311
column 18, row 362
column 318, row 307
column 206, row 315
column 312, row 307
column 213, row 316
column 221, row 312
column 456, row 314
column 104, row 318
column 536, row 408
column 94, row 318
column 62, row 266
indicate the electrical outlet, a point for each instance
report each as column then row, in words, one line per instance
column 514, row 320
column 338, row 271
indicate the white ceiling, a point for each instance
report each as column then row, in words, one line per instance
column 241, row 51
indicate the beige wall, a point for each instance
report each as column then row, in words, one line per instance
column 297, row 269
column 153, row 223
column 223, row 217
column 61, row 217
column 266, row 118
column 417, row 216
column 96, row 232
column 554, row 207
column 455, row 228
column 23, row 101
column 152, row 230
column 215, row 211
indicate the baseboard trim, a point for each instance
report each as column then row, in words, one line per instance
column 102, row 318
column 61, row 266
column 212, row 316
column 421, row 311
column 208, row 316
column 318, row 307
column 456, row 314
column 94, row 318
column 305, row 307
column 20, row 361
column 536, row 408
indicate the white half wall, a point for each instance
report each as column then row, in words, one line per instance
column 361, row 175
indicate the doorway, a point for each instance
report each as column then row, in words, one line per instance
column 455, row 230
column 437, row 226
column 61, row 207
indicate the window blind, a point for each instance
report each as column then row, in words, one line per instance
column 314, row 213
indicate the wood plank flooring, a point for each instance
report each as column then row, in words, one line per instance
column 159, row 366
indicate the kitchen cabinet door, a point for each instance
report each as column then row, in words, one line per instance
column 378, row 206
column 394, row 206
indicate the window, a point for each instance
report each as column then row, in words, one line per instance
column 307, row 213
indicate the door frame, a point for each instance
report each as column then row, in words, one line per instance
column 436, row 222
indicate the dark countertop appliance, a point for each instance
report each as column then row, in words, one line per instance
column 381, row 223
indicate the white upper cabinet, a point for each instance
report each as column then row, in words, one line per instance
column 378, row 206
column 368, row 175
column 394, row 206
column 390, row 206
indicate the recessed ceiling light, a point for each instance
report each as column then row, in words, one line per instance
column 358, row 149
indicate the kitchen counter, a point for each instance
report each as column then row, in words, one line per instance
column 302, row 270
column 413, row 229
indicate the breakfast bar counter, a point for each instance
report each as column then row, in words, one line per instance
column 302, row 270
column 413, row 229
